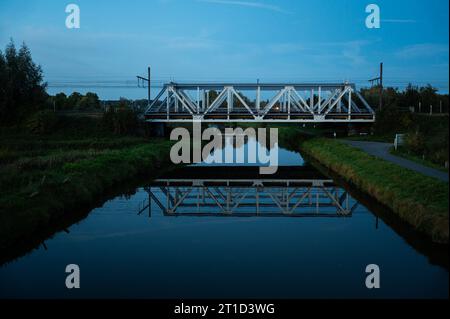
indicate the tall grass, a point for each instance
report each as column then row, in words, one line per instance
column 37, row 190
column 419, row 200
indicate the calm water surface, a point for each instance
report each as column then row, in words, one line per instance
column 216, row 243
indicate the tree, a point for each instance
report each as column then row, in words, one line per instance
column 371, row 95
column 388, row 120
column 60, row 101
column 88, row 102
column 391, row 97
column 3, row 83
column 93, row 100
column 428, row 96
column 73, row 100
column 22, row 88
column 411, row 96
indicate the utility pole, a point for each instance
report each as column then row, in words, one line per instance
column 379, row 81
column 140, row 78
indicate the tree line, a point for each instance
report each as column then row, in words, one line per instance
column 25, row 103
column 75, row 101
column 418, row 99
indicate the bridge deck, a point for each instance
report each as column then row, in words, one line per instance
column 242, row 117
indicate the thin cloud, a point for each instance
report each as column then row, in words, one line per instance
column 353, row 52
column 350, row 53
column 398, row 21
column 422, row 50
column 285, row 48
column 258, row 5
column 189, row 43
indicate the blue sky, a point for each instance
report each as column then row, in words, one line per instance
column 231, row 40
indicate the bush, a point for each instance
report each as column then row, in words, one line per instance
column 415, row 142
column 440, row 157
column 428, row 138
column 120, row 121
column 388, row 120
column 42, row 122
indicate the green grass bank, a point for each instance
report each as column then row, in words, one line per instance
column 419, row 200
column 43, row 179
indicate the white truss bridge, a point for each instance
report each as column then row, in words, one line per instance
column 264, row 198
column 276, row 102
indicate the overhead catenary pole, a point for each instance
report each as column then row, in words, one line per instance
column 379, row 80
column 149, row 89
column 143, row 80
column 381, row 85
column 258, row 97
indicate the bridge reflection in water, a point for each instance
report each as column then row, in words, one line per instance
column 293, row 192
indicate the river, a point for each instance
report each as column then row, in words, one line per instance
column 209, row 231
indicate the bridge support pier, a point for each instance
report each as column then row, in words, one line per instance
column 359, row 128
column 157, row 129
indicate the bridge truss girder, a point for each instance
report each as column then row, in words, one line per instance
column 285, row 103
column 304, row 199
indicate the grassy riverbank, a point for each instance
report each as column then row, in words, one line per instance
column 419, row 200
column 44, row 178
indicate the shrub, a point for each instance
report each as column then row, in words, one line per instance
column 388, row 120
column 42, row 122
column 415, row 142
column 120, row 121
column 440, row 157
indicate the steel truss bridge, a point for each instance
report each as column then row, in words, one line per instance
column 276, row 102
column 246, row 197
